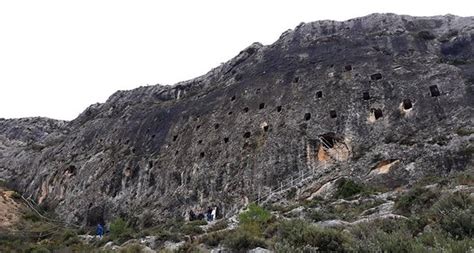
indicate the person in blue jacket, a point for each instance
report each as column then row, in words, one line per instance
column 100, row 231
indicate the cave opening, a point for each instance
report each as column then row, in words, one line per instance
column 296, row 79
column 307, row 116
column 216, row 126
column 261, row 106
column 71, row 170
column 333, row 114
column 246, row 109
column 175, row 137
column 377, row 113
column 279, row 108
column 319, row 94
column 407, row 104
column 265, row 128
column 366, row 95
column 201, row 154
column 434, row 91
column 376, row 76
column 247, row 135
column 328, row 139
column 348, row 67
column 232, row 98
column 226, row 139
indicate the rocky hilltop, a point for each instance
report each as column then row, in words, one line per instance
column 382, row 99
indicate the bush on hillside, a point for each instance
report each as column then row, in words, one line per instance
column 298, row 233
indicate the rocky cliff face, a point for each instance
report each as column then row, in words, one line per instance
column 384, row 99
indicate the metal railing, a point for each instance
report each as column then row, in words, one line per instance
column 297, row 179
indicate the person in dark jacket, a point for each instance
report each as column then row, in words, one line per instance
column 192, row 215
column 100, row 231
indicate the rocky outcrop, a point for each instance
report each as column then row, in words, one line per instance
column 355, row 96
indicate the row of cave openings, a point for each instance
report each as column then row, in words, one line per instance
column 406, row 105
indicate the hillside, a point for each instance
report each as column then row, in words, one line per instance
column 384, row 101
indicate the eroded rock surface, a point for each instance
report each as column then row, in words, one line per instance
column 356, row 96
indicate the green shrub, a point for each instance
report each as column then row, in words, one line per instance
column 298, row 233
column 466, row 178
column 15, row 195
column 164, row 235
column 67, row 234
column 291, row 194
column 241, row 241
column 455, row 214
column 120, row 231
column 197, row 222
column 188, row 229
column 214, row 239
column 31, row 216
column 320, row 215
column 464, row 131
column 255, row 213
column 38, row 249
column 219, row 225
column 370, row 237
column 416, row 199
column 254, row 219
column 348, row 188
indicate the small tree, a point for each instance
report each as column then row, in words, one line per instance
column 119, row 230
column 254, row 219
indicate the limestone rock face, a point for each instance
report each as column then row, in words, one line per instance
column 386, row 99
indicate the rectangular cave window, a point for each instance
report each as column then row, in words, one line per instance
column 279, row 108
column 261, row 106
column 201, row 155
column 366, row 95
column 307, row 116
column 265, row 128
column 246, row 109
column 328, row 139
column 434, row 91
column 348, row 67
column 333, row 114
column 377, row 113
column 376, row 76
column 319, row 94
column 175, row 138
column 247, row 135
column 226, row 139
column 407, row 104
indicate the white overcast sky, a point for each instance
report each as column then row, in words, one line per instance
column 58, row 57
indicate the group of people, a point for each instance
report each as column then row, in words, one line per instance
column 209, row 215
